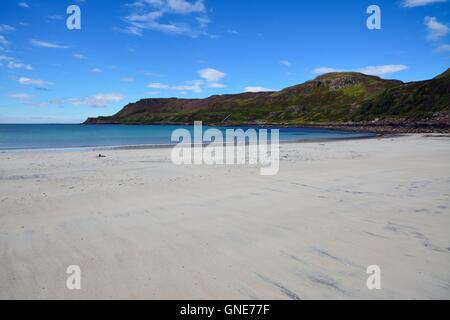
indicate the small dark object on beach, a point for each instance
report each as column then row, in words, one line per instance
column 101, row 156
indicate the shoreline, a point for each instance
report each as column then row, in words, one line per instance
column 168, row 146
column 356, row 135
column 381, row 127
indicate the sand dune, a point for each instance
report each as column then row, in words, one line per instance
column 140, row 227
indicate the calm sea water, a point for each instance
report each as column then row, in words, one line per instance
column 55, row 136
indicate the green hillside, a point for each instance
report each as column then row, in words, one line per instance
column 334, row 97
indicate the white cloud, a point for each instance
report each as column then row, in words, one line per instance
column 216, row 85
column 435, row 28
column 158, row 86
column 13, row 64
column 419, row 3
column 370, row 70
column 443, row 48
column 46, row 44
column 100, row 100
column 127, row 79
column 79, row 56
column 383, row 70
column 28, row 99
column 258, row 89
column 211, row 75
column 23, row 5
column 194, row 86
column 34, row 82
column 19, row 65
column 147, row 15
column 4, row 28
column 3, row 41
column 22, row 96
column 210, row 79
column 6, row 58
column 96, row 70
column 203, row 22
column 286, row 63
column 323, row 70
column 185, row 7
column 135, row 31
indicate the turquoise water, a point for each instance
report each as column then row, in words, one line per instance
column 54, row 136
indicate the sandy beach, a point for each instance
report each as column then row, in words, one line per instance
column 140, row 227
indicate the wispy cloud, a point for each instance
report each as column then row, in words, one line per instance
column 3, row 41
column 286, row 63
column 19, row 65
column 193, row 86
column 6, row 58
column 323, row 70
column 210, row 79
column 96, row 70
column 12, row 63
column 100, row 100
column 211, row 75
column 185, row 7
column 370, row 70
column 168, row 16
column 419, row 3
column 22, row 96
column 46, row 44
column 216, row 85
column 38, row 83
column 158, row 85
column 4, row 28
column 27, row 99
column 23, row 5
column 258, row 89
column 383, row 70
column 435, row 28
column 79, row 56
column 232, row 31
column 443, row 48
column 127, row 79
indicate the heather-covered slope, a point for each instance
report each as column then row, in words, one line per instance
column 334, row 97
column 415, row 101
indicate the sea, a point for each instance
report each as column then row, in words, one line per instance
column 76, row 136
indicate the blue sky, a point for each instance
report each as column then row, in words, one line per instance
column 127, row 50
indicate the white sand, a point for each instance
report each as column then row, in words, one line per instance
column 140, row 227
